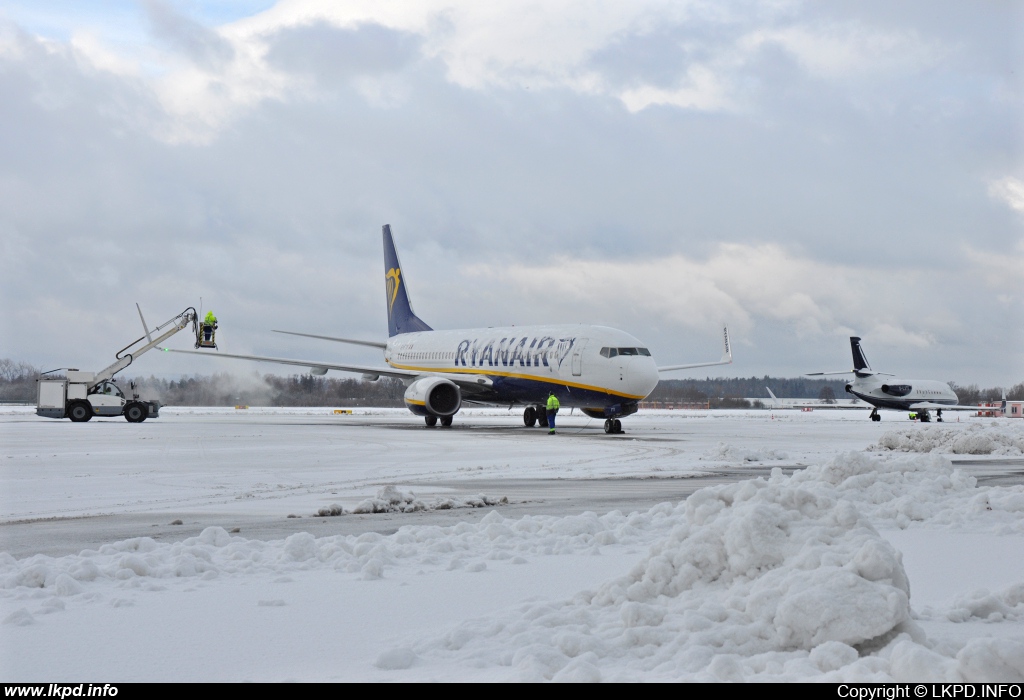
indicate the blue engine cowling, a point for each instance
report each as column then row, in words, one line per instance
column 433, row 396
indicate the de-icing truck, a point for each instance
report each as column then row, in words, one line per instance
column 81, row 395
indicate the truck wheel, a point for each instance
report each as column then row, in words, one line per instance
column 135, row 412
column 79, row 411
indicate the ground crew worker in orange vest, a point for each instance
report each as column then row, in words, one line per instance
column 552, row 410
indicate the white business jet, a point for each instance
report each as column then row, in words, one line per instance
column 883, row 390
column 602, row 371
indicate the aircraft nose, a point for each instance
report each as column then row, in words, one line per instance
column 644, row 378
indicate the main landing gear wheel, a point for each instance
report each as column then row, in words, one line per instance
column 529, row 417
column 431, row 421
column 542, row 416
column 612, row 426
column 874, row 415
column 135, row 412
column 79, row 411
column 446, row 422
column 938, row 416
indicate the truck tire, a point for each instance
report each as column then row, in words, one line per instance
column 79, row 411
column 135, row 412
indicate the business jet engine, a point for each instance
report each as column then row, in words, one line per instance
column 433, row 396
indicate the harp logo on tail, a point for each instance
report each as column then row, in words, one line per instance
column 393, row 279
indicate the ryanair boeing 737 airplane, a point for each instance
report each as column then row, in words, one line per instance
column 602, row 371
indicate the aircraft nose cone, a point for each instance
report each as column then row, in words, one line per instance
column 644, row 379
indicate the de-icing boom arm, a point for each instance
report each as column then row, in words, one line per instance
column 125, row 358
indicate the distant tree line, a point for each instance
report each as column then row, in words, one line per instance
column 18, row 381
column 223, row 389
column 18, row 384
column 730, row 393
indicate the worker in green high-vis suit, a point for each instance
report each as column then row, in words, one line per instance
column 552, row 410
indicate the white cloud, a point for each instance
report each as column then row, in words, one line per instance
column 744, row 285
column 702, row 90
column 842, row 51
column 1010, row 191
column 205, row 77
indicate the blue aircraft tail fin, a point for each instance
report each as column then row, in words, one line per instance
column 401, row 318
column 859, row 360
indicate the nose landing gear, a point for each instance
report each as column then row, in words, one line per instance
column 612, row 426
column 874, row 414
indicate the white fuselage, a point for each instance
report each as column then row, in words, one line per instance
column 893, row 392
column 522, row 364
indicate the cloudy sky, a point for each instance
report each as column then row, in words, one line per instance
column 801, row 171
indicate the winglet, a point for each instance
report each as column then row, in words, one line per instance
column 775, row 399
column 401, row 318
column 726, row 358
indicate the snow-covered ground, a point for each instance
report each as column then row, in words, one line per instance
column 860, row 552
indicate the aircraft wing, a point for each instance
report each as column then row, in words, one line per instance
column 726, row 357
column 315, row 366
column 944, row 407
column 471, row 384
column 351, row 341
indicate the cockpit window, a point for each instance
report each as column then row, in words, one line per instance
column 108, row 388
column 615, row 352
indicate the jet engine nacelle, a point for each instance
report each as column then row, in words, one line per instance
column 897, row 389
column 433, row 396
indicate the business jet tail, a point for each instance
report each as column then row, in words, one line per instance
column 401, row 318
column 860, row 361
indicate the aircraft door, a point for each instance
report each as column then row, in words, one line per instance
column 577, row 357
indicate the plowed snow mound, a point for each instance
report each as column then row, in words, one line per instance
column 728, row 453
column 390, row 500
column 777, row 579
column 999, row 439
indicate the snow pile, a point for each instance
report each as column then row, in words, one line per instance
column 390, row 500
column 1001, row 438
column 728, row 453
column 141, row 562
column 784, row 578
column 778, row 579
column 1007, row 604
column 921, row 489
